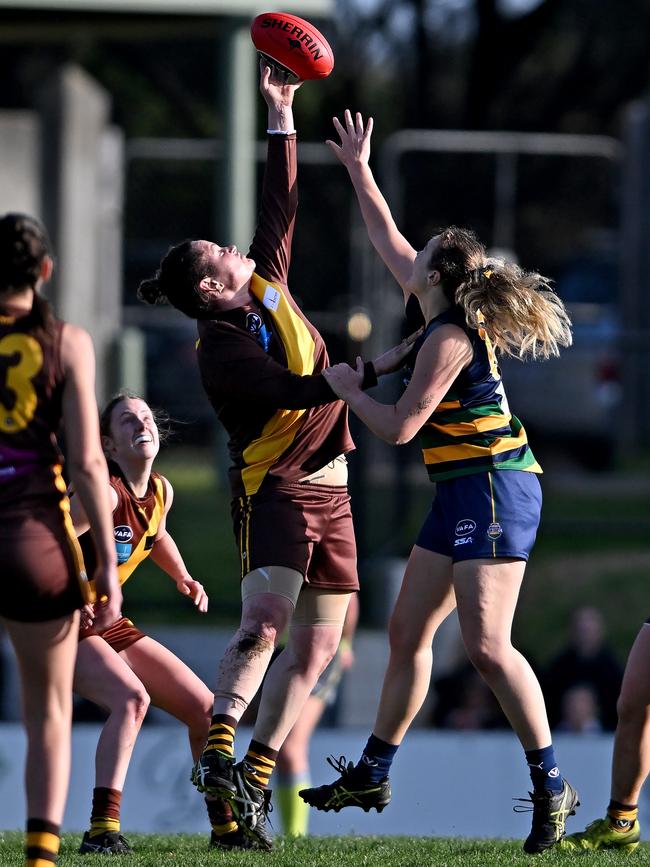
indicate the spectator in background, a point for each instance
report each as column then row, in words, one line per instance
column 579, row 711
column 586, row 660
column 464, row 701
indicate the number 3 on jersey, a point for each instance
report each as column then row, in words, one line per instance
column 21, row 358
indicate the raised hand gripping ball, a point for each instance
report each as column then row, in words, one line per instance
column 292, row 45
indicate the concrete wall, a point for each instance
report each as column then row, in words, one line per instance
column 64, row 163
column 444, row 783
column 20, row 155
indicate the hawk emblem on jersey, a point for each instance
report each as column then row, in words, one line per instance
column 253, row 322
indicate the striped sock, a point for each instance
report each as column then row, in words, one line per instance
column 622, row 816
column 222, row 820
column 105, row 816
column 259, row 762
column 221, row 736
column 42, row 843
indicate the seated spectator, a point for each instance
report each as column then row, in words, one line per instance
column 465, row 702
column 579, row 711
column 586, row 660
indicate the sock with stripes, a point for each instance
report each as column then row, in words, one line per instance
column 42, row 843
column 622, row 816
column 221, row 736
column 220, row 814
column 105, row 816
column 544, row 771
column 376, row 759
column 259, row 762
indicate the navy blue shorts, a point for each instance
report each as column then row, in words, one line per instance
column 485, row 515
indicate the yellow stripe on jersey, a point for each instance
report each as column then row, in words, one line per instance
column 87, row 592
column 478, row 425
column 463, row 451
column 140, row 553
column 280, row 430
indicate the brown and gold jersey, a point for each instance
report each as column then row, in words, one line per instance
column 135, row 523
column 261, row 364
column 31, row 387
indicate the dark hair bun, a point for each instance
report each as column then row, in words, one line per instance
column 150, row 292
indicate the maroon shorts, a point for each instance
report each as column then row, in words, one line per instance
column 40, row 567
column 120, row 635
column 303, row 527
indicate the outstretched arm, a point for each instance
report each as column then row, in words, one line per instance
column 271, row 245
column 354, row 152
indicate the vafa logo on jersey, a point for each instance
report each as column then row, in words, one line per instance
column 123, row 535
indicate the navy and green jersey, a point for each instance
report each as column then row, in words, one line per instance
column 472, row 430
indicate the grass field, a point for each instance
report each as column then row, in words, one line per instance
column 190, row 851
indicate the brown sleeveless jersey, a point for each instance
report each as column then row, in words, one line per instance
column 261, row 364
column 31, row 387
column 135, row 523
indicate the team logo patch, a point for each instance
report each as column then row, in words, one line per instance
column 253, row 322
column 122, row 533
column 494, row 531
column 465, row 527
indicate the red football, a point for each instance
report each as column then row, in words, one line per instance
column 293, row 44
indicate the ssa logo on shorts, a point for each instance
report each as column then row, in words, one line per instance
column 465, row 527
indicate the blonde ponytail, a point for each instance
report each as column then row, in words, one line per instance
column 519, row 309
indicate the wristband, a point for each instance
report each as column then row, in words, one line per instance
column 280, row 131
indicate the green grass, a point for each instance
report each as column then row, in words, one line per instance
column 191, row 851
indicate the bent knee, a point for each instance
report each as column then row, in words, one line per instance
column 489, row 658
column 137, row 704
column 403, row 641
column 263, row 623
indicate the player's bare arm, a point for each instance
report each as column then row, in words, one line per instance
column 354, row 152
column 443, row 355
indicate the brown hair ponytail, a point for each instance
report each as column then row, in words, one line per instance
column 24, row 244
